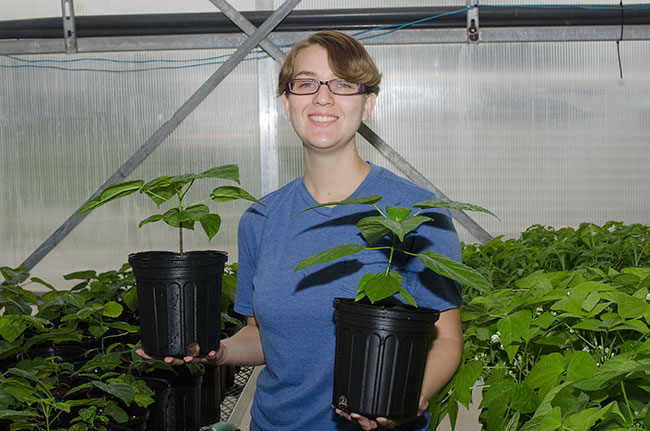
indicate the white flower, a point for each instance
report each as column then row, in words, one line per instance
column 585, row 349
column 647, row 297
column 495, row 338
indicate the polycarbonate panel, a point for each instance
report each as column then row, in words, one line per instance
column 64, row 133
column 543, row 133
column 538, row 133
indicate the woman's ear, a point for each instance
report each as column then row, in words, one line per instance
column 371, row 100
column 285, row 105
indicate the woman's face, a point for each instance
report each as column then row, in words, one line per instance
column 324, row 121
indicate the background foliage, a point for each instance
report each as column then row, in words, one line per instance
column 562, row 340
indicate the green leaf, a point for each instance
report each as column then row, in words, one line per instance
column 546, row 370
column 110, row 193
column 117, row 413
column 225, row 172
column 380, row 286
column 590, row 325
column 452, row 205
column 630, row 307
column 513, row 326
column 376, row 223
column 231, row 193
column 329, row 255
column 590, row 302
column 123, row 391
column 112, row 309
column 450, row 268
column 373, row 231
column 465, row 379
column 74, row 299
column 161, row 189
column 130, row 298
column 407, row 296
column 581, row 366
column 367, row 200
column 12, row 327
column 584, row 420
column 210, row 224
column 633, row 325
column 397, row 213
column 150, row 219
column 81, row 275
column 180, row 218
column 525, row 400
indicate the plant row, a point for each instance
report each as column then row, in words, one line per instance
column 562, row 340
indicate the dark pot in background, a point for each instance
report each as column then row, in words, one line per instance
column 179, row 301
column 381, row 353
column 158, row 410
column 184, row 403
column 211, row 395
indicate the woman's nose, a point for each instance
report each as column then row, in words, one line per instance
column 323, row 96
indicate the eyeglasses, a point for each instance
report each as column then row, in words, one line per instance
column 304, row 86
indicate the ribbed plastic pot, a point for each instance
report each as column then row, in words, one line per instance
column 179, row 301
column 184, row 402
column 211, row 396
column 157, row 419
column 380, row 357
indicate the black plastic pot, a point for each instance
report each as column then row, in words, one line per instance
column 179, row 301
column 211, row 396
column 158, row 410
column 380, row 357
column 184, row 404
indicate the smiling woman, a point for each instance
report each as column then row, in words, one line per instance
column 328, row 86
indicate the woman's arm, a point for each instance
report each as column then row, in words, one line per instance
column 445, row 353
column 243, row 348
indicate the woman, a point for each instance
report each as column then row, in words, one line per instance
column 328, row 85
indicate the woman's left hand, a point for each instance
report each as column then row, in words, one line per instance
column 372, row 424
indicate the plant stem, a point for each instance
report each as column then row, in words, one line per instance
column 180, row 240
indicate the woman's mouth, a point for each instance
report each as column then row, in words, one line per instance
column 322, row 118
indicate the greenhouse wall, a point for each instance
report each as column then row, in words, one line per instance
column 551, row 133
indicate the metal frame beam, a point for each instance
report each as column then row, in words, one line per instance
column 606, row 33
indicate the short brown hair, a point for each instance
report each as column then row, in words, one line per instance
column 348, row 59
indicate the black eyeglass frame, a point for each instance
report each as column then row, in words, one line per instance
column 363, row 89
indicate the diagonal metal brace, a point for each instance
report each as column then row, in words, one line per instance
column 166, row 129
column 375, row 140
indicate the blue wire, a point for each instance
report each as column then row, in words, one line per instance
column 258, row 54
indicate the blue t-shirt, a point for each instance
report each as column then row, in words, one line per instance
column 294, row 309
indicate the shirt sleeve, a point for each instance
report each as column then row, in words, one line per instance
column 250, row 226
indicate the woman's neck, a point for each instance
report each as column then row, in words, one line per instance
column 334, row 177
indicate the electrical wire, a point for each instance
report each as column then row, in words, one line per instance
column 259, row 54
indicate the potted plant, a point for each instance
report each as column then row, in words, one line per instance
column 179, row 293
column 381, row 343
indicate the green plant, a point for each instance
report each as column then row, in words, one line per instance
column 165, row 188
column 37, row 393
column 21, row 326
column 397, row 222
column 228, row 293
column 612, row 245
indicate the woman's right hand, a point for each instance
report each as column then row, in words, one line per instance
column 213, row 357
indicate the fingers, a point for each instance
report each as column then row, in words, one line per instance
column 178, row 361
column 365, row 423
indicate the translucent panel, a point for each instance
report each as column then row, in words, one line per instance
column 64, row 137
column 544, row 133
column 538, row 133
